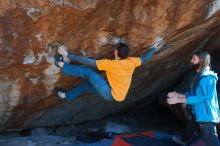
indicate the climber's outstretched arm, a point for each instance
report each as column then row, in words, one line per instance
column 155, row 46
column 147, row 56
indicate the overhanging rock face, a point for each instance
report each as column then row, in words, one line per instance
column 30, row 31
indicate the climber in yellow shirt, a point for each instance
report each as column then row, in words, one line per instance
column 118, row 71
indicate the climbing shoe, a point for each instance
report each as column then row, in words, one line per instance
column 58, row 58
column 58, row 93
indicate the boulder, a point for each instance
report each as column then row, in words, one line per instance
column 30, row 32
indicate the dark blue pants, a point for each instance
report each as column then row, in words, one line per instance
column 191, row 128
column 209, row 133
column 94, row 82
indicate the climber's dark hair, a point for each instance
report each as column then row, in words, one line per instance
column 123, row 50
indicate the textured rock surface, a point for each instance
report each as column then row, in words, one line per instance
column 31, row 29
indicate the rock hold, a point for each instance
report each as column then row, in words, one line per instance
column 34, row 13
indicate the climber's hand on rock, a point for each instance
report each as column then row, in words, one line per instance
column 158, row 43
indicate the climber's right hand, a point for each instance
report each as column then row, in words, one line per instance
column 158, row 43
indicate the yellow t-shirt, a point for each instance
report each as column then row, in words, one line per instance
column 119, row 74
